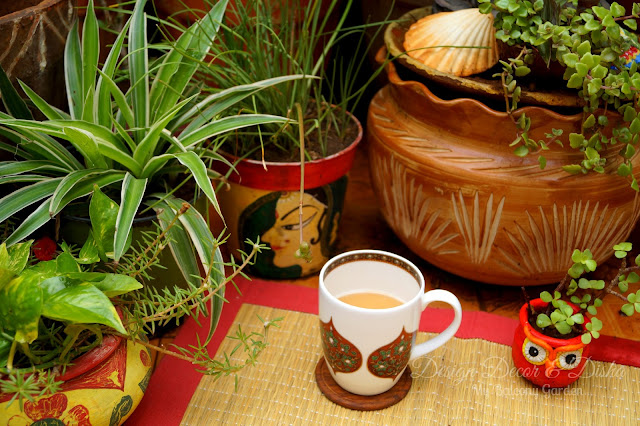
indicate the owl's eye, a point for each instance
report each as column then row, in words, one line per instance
column 569, row 360
column 535, row 354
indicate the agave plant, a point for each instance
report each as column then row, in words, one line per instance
column 125, row 141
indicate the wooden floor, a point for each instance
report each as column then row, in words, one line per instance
column 363, row 227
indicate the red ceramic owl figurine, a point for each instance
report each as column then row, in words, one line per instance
column 546, row 361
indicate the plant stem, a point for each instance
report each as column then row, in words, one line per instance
column 301, row 134
column 163, row 350
column 165, row 314
column 154, row 243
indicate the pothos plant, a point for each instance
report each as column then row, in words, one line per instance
column 52, row 311
column 588, row 294
column 596, row 49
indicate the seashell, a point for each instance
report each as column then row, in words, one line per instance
column 466, row 27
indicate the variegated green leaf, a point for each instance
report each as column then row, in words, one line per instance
column 176, row 70
column 109, row 87
column 23, row 291
column 16, row 257
column 34, row 221
column 84, row 304
column 90, row 53
column 208, row 251
column 147, row 147
column 131, row 197
column 85, row 144
column 66, row 185
column 103, row 212
column 179, row 243
column 199, row 171
column 219, row 102
column 16, row 167
column 73, row 72
column 24, row 197
column 225, row 125
column 49, row 111
column 11, row 99
column 139, row 69
column 103, row 91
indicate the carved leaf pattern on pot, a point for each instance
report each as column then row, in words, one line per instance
column 547, row 241
column 342, row 355
column 390, row 360
column 408, row 210
column 478, row 231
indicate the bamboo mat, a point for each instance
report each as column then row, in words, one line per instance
column 467, row 381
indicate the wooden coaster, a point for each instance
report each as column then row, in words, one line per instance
column 346, row 399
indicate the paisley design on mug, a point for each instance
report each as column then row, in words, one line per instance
column 341, row 355
column 390, row 360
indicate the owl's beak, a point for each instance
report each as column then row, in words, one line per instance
column 550, row 365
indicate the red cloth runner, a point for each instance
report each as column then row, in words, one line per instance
column 174, row 381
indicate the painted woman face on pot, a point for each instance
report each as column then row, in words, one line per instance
column 284, row 235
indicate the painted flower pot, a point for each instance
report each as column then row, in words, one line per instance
column 102, row 387
column 452, row 190
column 264, row 203
column 546, row 361
column 32, row 36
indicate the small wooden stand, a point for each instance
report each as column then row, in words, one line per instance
column 335, row 393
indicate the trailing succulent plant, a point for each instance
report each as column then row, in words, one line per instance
column 59, row 302
column 596, row 46
column 587, row 294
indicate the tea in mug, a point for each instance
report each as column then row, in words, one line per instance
column 371, row 300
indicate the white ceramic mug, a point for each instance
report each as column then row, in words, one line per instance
column 367, row 350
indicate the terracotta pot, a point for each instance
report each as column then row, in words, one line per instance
column 264, row 203
column 33, row 35
column 452, row 190
column 102, row 387
column 546, row 361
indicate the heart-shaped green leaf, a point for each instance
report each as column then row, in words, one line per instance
column 82, row 303
column 103, row 212
column 16, row 257
column 21, row 306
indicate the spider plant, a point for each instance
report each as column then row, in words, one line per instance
column 132, row 123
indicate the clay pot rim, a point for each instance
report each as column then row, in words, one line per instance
column 95, row 356
column 553, row 341
column 395, row 80
column 29, row 11
column 285, row 176
column 469, row 84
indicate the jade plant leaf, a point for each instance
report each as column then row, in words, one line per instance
column 563, row 327
column 543, row 321
column 83, row 303
column 627, row 309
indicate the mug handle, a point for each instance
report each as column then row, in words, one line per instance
column 434, row 343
